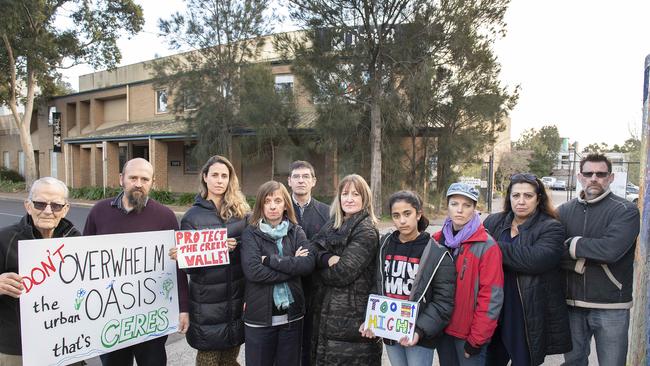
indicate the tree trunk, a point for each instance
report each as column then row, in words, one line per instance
column 375, row 151
column 272, row 161
column 23, row 123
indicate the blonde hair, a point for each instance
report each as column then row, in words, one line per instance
column 336, row 212
column 266, row 190
column 233, row 203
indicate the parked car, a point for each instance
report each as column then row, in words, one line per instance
column 632, row 193
column 558, row 185
column 548, row 181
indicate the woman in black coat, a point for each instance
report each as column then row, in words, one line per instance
column 347, row 255
column 534, row 319
column 274, row 257
column 217, row 293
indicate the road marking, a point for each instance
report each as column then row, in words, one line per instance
column 6, row 214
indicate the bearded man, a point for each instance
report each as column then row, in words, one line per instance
column 134, row 211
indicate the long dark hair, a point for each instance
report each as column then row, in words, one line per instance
column 412, row 199
column 544, row 203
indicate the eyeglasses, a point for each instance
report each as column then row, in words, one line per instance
column 598, row 174
column 56, row 207
column 304, row 176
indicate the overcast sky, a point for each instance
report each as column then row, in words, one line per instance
column 579, row 63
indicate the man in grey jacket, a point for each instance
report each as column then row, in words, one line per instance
column 601, row 236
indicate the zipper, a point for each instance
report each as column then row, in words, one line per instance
column 523, row 308
column 462, row 271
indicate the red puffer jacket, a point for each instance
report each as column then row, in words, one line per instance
column 476, row 310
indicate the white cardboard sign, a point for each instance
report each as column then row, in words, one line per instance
column 86, row 296
column 391, row 318
column 202, row 248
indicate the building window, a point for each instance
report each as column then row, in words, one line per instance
column 21, row 163
column 161, row 101
column 51, row 110
column 54, row 164
column 284, row 83
column 191, row 164
column 5, row 160
column 190, row 102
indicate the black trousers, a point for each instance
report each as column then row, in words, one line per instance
column 149, row 353
column 307, row 329
column 279, row 345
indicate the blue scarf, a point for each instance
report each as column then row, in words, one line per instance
column 282, row 296
column 465, row 233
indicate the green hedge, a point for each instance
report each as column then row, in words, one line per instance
column 10, row 175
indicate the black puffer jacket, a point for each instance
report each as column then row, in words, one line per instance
column 341, row 294
column 216, row 293
column 433, row 288
column 9, row 306
column 262, row 276
column 536, row 260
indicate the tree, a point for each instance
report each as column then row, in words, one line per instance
column 34, row 49
column 599, row 148
column 511, row 163
column 221, row 37
column 545, row 145
column 359, row 55
column 270, row 112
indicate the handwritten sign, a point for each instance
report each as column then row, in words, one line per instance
column 202, row 248
column 86, row 296
column 391, row 318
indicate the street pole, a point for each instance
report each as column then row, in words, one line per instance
column 490, row 182
column 640, row 338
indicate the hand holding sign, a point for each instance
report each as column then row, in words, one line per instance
column 391, row 318
column 10, row 284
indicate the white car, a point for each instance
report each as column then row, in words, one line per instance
column 632, row 193
column 558, row 185
column 548, row 181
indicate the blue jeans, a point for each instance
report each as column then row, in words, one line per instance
column 451, row 352
column 608, row 326
column 409, row 356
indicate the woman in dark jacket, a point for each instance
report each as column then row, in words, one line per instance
column 412, row 266
column 347, row 253
column 217, row 293
column 274, row 256
column 534, row 320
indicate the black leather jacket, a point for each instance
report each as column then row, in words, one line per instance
column 536, row 261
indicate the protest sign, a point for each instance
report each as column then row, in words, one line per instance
column 391, row 318
column 86, row 296
column 202, row 248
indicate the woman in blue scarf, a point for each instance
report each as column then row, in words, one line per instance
column 274, row 256
column 479, row 280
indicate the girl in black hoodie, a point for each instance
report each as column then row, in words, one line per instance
column 414, row 267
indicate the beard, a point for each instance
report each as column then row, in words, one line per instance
column 137, row 199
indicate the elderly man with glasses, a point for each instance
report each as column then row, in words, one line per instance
column 601, row 236
column 46, row 208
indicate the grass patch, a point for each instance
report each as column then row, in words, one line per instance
column 11, row 187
